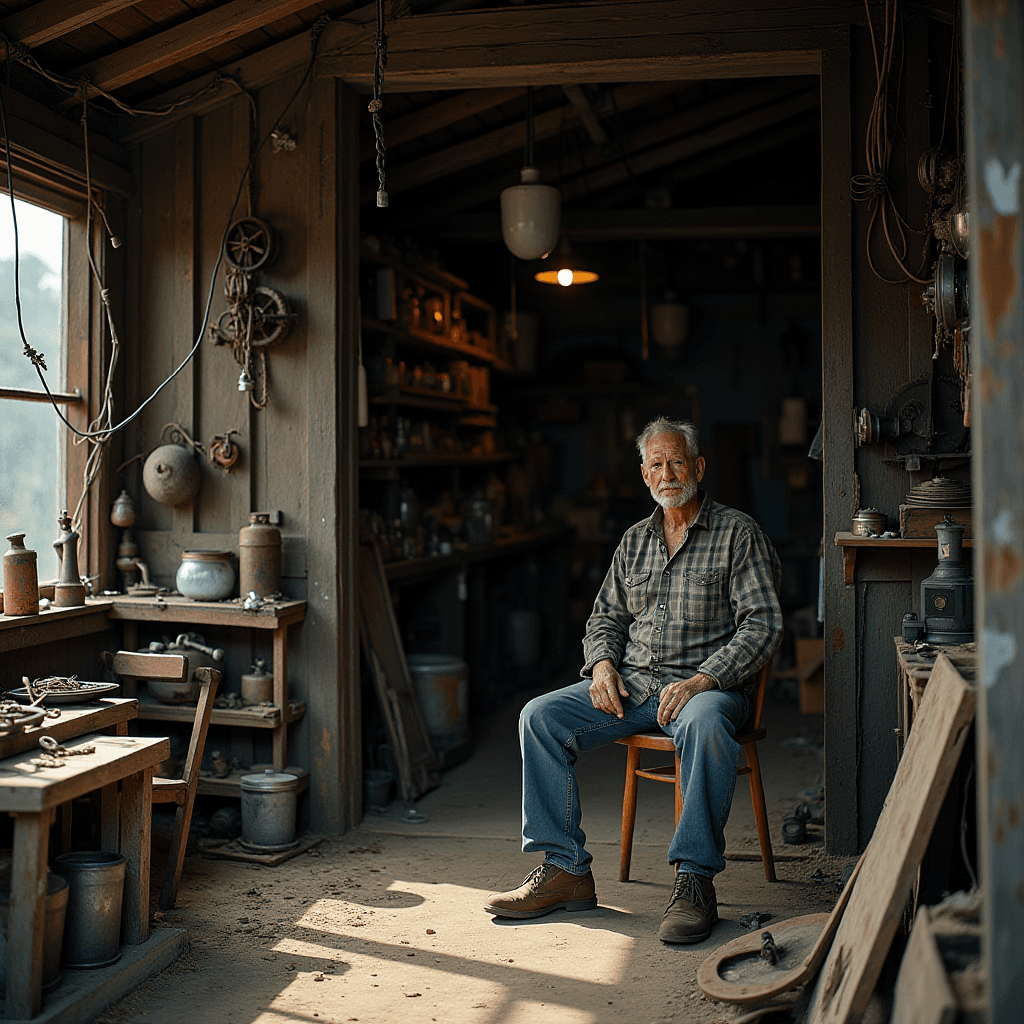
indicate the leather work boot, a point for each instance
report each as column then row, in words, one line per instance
column 544, row 889
column 692, row 910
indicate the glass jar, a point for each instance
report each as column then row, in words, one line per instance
column 206, row 575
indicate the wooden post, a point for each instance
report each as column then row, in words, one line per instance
column 994, row 82
column 280, row 739
column 27, row 915
column 136, row 817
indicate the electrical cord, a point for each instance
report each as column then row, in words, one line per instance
column 377, row 103
column 37, row 359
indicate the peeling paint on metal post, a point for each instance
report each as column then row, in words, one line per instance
column 994, row 82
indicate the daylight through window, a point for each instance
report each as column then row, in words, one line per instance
column 31, row 479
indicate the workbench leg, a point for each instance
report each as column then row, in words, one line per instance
column 110, row 832
column 130, row 636
column 280, row 737
column 27, row 916
column 136, row 818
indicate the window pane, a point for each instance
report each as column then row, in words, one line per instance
column 29, row 476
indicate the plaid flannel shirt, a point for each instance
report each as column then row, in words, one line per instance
column 712, row 607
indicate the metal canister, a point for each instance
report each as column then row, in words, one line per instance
column 268, row 810
column 257, row 685
column 259, row 556
column 21, row 581
column 869, row 522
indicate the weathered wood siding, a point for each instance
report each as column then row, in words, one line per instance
column 187, row 179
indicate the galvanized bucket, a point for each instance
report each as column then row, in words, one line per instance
column 442, row 686
column 53, row 931
column 92, row 932
column 268, row 811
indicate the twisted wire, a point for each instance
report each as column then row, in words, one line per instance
column 376, row 104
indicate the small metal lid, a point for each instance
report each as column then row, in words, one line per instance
column 270, row 782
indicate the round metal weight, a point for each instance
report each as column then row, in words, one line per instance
column 171, row 475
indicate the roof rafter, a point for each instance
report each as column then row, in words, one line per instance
column 52, row 19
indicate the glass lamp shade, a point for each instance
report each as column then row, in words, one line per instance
column 531, row 216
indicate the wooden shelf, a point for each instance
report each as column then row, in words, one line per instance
column 231, row 785
column 175, row 608
column 252, row 717
column 851, row 543
column 421, row 398
column 416, row 461
column 411, row 569
column 425, row 274
column 427, row 341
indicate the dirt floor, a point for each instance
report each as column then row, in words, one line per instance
column 387, row 924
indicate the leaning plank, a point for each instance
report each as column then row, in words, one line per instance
column 395, row 689
column 923, row 994
column 894, row 854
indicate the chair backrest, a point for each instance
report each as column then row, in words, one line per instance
column 170, row 667
column 759, row 688
column 209, row 680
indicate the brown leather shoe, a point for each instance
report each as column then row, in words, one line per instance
column 692, row 911
column 544, row 889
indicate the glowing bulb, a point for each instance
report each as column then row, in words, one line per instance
column 565, row 277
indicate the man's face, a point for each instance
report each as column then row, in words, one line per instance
column 669, row 471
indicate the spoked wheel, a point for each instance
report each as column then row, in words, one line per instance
column 249, row 244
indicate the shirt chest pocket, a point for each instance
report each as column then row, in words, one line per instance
column 705, row 596
column 636, row 591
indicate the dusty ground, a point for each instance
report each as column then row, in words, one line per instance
column 386, row 923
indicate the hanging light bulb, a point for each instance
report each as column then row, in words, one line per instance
column 567, row 270
column 530, row 212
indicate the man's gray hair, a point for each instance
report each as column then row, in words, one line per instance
column 663, row 425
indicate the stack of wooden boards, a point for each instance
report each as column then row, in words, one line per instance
column 843, row 966
column 418, row 769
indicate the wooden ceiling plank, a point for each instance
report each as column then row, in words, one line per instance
column 192, row 37
column 691, row 145
column 576, row 96
column 439, row 115
column 51, row 19
column 509, row 138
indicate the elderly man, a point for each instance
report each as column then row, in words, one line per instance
column 687, row 615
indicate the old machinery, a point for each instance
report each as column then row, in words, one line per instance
column 947, row 298
column 947, row 596
column 250, row 244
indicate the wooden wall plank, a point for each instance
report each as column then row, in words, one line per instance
column 994, row 116
column 837, row 405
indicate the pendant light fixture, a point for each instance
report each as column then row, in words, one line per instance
column 566, row 269
column 530, row 211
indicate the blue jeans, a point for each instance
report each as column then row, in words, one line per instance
column 556, row 727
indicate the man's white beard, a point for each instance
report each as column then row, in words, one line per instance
column 674, row 495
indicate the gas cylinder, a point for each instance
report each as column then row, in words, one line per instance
column 259, row 556
column 21, row 581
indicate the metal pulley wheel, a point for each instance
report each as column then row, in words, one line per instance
column 271, row 319
column 249, row 244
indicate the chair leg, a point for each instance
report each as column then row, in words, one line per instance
column 176, row 855
column 679, row 792
column 628, row 812
column 764, row 835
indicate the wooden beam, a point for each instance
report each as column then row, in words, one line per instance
column 51, row 19
column 439, row 115
column 576, row 96
column 193, row 37
column 601, row 42
column 600, row 225
column 507, row 140
column 685, row 148
column 686, row 121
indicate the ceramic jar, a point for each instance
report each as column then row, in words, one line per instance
column 206, row 575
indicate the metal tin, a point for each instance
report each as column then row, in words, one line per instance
column 257, row 685
column 870, row 522
column 92, row 932
column 442, row 687
column 268, row 810
column 21, row 581
column 259, row 556
column 53, row 931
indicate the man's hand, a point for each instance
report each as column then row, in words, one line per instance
column 606, row 687
column 675, row 695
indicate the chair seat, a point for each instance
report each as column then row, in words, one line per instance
column 659, row 741
column 169, row 791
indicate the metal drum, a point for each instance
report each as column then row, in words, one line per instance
column 268, row 811
column 442, row 686
column 92, row 932
column 53, row 931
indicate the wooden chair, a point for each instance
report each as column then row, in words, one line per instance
column 182, row 792
column 747, row 738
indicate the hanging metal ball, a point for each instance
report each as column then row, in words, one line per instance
column 171, row 475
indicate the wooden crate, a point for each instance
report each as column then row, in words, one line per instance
column 920, row 522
